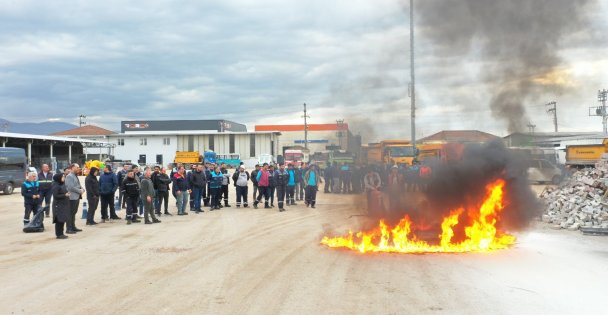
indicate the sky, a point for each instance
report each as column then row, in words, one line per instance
column 258, row 61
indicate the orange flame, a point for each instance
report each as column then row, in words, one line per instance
column 481, row 234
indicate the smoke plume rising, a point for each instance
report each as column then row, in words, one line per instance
column 518, row 42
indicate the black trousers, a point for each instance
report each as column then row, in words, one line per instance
column 122, row 199
column 271, row 190
column 93, row 203
column 281, row 195
column 263, row 193
column 215, row 197
column 163, row 196
column 132, row 204
column 73, row 210
column 31, row 208
column 256, row 192
column 108, row 201
column 241, row 193
column 224, row 193
column 59, row 228
column 290, row 195
column 46, row 195
column 207, row 195
column 311, row 195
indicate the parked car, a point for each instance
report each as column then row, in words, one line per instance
column 543, row 171
column 13, row 165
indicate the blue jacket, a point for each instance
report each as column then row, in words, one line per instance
column 108, row 183
column 216, row 180
column 29, row 189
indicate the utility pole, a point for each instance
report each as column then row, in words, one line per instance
column 602, row 95
column 305, row 128
column 82, row 121
column 340, row 124
column 553, row 110
column 531, row 127
column 413, row 77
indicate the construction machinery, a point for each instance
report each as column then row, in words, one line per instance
column 445, row 152
column 389, row 152
column 186, row 157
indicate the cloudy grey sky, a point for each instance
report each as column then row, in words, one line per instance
column 257, row 61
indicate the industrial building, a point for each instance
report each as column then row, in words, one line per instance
column 155, row 142
column 321, row 137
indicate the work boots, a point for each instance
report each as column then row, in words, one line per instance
column 266, row 206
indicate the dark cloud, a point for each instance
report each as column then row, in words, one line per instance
column 236, row 59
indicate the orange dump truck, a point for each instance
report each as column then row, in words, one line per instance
column 446, row 152
column 586, row 154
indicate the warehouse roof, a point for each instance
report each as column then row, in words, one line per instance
column 87, row 130
column 46, row 138
column 459, row 136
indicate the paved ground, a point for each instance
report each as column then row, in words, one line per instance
column 265, row 262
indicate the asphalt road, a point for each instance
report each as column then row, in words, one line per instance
column 261, row 261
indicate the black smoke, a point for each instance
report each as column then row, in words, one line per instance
column 517, row 42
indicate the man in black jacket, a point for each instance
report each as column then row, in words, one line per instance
column 155, row 174
column 161, row 182
column 91, row 185
column 121, row 175
column 130, row 189
column 281, row 178
column 197, row 181
column 45, row 180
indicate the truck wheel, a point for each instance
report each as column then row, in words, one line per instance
column 556, row 180
column 8, row 190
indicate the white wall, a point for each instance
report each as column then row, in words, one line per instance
column 222, row 144
column 132, row 148
column 288, row 139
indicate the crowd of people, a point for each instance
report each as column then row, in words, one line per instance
column 145, row 193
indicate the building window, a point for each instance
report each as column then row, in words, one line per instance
column 272, row 147
column 166, row 141
column 231, row 143
column 211, row 143
column 252, row 145
column 190, row 143
column 121, row 142
column 143, row 141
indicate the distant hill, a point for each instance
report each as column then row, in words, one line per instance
column 43, row 128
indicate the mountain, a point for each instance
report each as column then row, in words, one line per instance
column 43, row 128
